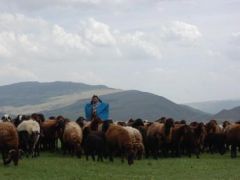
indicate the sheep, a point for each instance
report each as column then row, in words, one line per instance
column 72, row 138
column 159, row 136
column 17, row 120
column 154, row 139
column 9, row 143
column 51, row 130
column 137, row 141
column 93, row 143
column 6, row 118
column 232, row 135
column 119, row 140
column 38, row 117
column 29, row 134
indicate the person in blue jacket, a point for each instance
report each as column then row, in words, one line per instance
column 99, row 109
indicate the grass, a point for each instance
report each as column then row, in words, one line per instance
column 55, row 166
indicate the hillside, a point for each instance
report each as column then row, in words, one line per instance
column 68, row 99
column 28, row 97
column 30, row 93
column 231, row 115
column 136, row 104
column 214, row 107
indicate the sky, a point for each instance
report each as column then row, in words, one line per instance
column 184, row 50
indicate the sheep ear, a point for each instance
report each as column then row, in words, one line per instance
column 11, row 152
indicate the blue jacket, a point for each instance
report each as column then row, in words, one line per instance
column 102, row 111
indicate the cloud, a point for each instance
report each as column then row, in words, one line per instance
column 236, row 34
column 98, row 33
column 10, row 73
column 186, row 45
column 21, row 23
column 85, row 77
column 138, row 40
column 35, row 38
column 232, row 49
column 3, row 50
column 68, row 40
column 181, row 31
column 235, row 38
column 36, row 5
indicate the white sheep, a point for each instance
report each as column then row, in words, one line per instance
column 33, row 129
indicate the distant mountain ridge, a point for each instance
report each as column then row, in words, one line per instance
column 137, row 104
column 214, row 107
column 230, row 115
column 33, row 92
column 68, row 99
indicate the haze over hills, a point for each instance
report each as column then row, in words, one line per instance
column 214, row 107
column 68, row 99
column 230, row 115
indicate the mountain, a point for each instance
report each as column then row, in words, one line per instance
column 30, row 93
column 230, row 115
column 68, row 99
column 136, row 104
column 28, row 97
column 214, row 107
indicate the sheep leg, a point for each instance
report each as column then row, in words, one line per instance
column 4, row 157
column 123, row 154
column 197, row 151
column 5, row 160
column 93, row 156
column 110, row 153
column 233, row 151
column 100, row 157
column 64, row 149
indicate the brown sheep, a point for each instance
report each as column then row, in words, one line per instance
column 137, row 141
column 121, row 123
column 161, row 120
column 51, row 130
column 72, row 138
column 232, row 134
column 9, row 143
column 159, row 136
column 225, row 125
column 178, row 133
column 213, row 134
column 187, row 139
column 154, row 139
column 120, row 140
column 213, row 127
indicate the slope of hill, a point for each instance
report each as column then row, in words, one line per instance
column 231, row 115
column 136, row 104
column 214, row 107
column 68, row 99
column 30, row 93
column 25, row 98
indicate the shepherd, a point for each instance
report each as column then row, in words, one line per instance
column 97, row 110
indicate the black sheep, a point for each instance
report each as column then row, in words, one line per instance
column 94, row 144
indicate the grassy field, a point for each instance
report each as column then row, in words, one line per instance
column 55, row 166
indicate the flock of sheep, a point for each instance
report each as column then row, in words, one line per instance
column 30, row 134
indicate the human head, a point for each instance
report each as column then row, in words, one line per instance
column 95, row 99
